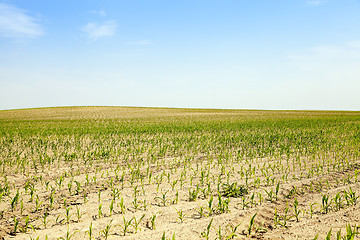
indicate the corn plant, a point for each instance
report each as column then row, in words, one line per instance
column 137, row 223
column 276, row 219
column 145, row 205
column 37, row 204
column 326, row 204
column 219, row 233
column 163, row 199
column 122, row 206
column 176, row 199
column 312, row 209
column 233, row 229
column 251, row 224
column 338, row 202
column 201, row 211
column 68, row 235
column 351, row 233
column 223, row 205
column 135, row 203
column 100, row 210
column 125, row 227
column 270, row 195
column 328, row 236
column 164, row 237
column 99, row 196
column 173, row 184
column 15, row 200
column 181, row 215
column 52, row 200
column 79, row 214
column 115, row 193
column 27, row 225
column 68, row 215
column 90, row 232
column 350, row 197
column 205, row 234
column 44, row 219
column 244, row 202
column 193, row 194
column 210, row 205
column 106, row 231
column 152, row 221
column 296, row 210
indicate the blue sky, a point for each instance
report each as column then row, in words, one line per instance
column 259, row 54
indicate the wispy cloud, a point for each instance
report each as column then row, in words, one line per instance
column 98, row 30
column 141, row 42
column 346, row 51
column 15, row 23
column 101, row 13
column 315, row 2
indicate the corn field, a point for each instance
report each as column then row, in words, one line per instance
column 156, row 173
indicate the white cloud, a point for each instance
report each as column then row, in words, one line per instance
column 141, row 42
column 96, row 30
column 15, row 23
column 315, row 2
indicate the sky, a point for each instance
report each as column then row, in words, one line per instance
column 239, row 54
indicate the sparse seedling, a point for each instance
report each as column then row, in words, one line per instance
column 106, row 231
column 137, row 223
column 126, row 225
column 206, row 233
column 181, row 215
column 251, row 224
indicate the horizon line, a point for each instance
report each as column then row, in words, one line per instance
column 183, row 108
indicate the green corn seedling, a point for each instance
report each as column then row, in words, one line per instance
column 206, row 233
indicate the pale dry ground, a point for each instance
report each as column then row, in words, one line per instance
column 119, row 113
column 167, row 219
column 193, row 225
column 130, row 113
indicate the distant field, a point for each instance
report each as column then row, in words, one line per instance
column 157, row 173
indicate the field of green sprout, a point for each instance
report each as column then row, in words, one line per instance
column 155, row 173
